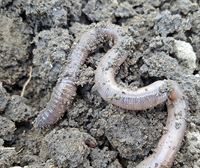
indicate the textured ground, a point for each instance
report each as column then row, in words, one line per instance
column 37, row 35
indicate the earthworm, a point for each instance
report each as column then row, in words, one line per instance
column 170, row 142
column 140, row 99
column 143, row 98
column 65, row 89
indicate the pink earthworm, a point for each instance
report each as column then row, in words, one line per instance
column 144, row 98
column 65, row 89
column 140, row 99
column 170, row 142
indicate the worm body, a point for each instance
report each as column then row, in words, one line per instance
column 140, row 99
column 170, row 142
column 65, row 89
column 62, row 95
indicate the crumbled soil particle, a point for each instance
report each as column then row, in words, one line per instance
column 186, row 55
column 161, row 64
column 115, row 164
column 93, row 133
column 14, row 42
column 50, row 55
column 7, row 128
column 102, row 158
column 1, row 142
column 48, row 63
column 7, row 156
column 3, row 3
column 17, row 109
column 124, row 10
column 193, row 139
column 195, row 35
column 190, row 84
column 100, row 10
column 126, row 134
column 53, row 13
column 184, row 6
column 69, row 148
column 130, row 132
column 136, row 3
column 166, row 24
column 3, row 98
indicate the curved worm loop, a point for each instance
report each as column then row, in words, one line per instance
column 143, row 98
column 65, row 89
column 170, row 142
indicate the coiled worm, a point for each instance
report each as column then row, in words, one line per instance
column 140, row 99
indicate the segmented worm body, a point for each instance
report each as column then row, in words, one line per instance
column 65, row 89
column 170, row 142
column 140, row 99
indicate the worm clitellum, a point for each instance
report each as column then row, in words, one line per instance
column 143, row 98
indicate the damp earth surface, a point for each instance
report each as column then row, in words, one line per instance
column 35, row 41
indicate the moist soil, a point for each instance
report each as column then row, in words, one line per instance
column 35, row 41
